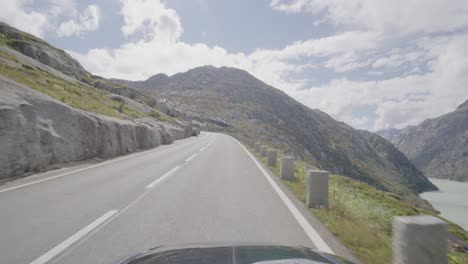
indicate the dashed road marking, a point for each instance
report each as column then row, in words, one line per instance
column 68, row 242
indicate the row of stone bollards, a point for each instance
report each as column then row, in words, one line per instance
column 317, row 180
column 416, row 239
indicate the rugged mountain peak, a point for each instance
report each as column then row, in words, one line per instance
column 158, row 79
column 215, row 77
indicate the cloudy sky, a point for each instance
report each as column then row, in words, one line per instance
column 374, row 64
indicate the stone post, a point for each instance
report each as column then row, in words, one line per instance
column 257, row 147
column 263, row 151
column 419, row 239
column 287, row 168
column 272, row 156
column 317, row 188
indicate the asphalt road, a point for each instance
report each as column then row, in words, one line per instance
column 200, row 189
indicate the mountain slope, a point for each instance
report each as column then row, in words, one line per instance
column 233, row 101
column 41, row 51
column 438, row 146
column 48, row 117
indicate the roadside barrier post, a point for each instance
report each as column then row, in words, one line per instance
column 257, row 147
column 419, row 239
column 263, row 151
column 272, row 156
column 287, row 168
column 317, row 188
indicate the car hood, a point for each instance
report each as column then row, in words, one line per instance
column 233, row 253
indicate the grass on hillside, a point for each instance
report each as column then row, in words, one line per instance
column 75, row 94
column 162, row 117
column 361, row 216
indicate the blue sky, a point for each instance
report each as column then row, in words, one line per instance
column 374, row 64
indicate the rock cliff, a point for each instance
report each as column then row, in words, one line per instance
column 53, row 111
column 37, row 131
column 437, row 146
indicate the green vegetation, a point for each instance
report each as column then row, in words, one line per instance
column 7, row 56
column 4, row 40
column 161, row 117
column 75, row 94
column 361, row 216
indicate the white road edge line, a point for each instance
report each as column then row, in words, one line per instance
column 202, row 149
column 191, row 157
column 162, row 178
column 90, row 167
column 65, row 244
column 309, row 230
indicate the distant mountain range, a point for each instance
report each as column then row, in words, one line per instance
column 438, row 146
column 233, row 101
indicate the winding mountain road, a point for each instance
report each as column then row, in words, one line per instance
column 201, row 189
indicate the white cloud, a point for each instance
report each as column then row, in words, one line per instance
column 157, row 48
column 152, row 18
column 345, row 42
column 433, row 83
column 87, row 21
column 401, row 101
column 397, row 59
column 62, row 8
column 143, row 58
column 430, row 39
column 48, row 15
column 401, row 16
column 14, row 13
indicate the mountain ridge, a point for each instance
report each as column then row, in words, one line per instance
column 437, row 146
column 254, row 110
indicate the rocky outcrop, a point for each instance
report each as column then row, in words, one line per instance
column 40, row 50
column 37, row 131
column 438, row 146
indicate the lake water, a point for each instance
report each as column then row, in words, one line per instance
column 451, row 200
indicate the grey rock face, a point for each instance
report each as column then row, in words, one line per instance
column 37, row 131
column 134, row 104
column 439, row 146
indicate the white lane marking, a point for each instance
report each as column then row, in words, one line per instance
column 112, row 215
column 93, row 166
column 191, row 157
column 103, row 225
column 202, row 149
column 65, row 244
column 65, row 253
column 309, row 230
column 162, row 178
